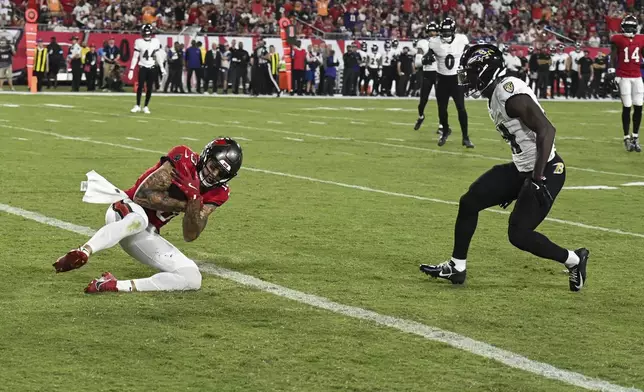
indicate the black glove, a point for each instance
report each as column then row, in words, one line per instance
column 429, row 58
column 540, row 191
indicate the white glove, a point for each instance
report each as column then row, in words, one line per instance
column 163, row 73
column 130, row 74
column 611, row 71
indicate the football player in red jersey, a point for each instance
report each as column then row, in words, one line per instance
column 182, row 181
column 625, row 64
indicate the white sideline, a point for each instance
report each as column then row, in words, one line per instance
column 340, row 184
column 455, row 340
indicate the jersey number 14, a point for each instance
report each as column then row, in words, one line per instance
column 635, row 55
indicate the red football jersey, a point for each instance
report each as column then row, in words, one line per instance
column 181, row 158
column 629, row 55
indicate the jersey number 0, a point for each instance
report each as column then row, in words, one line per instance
column 449, row 61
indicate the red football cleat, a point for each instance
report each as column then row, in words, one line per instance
column 107, row 282
column 74, row 259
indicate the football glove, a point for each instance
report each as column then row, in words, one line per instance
column 541, row 192
column 187, row 183
column 429, row 58
column 130, row 74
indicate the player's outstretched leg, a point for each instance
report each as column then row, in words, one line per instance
column 123, row 219
column 178, row 272
column 626, row 127
column 530, row 210
column 499, row 185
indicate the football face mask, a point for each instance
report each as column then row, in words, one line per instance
column 212, row 174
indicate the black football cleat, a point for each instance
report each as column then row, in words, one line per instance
column 577, row 274
column 467, row 143
column 446, row 270
column 635, row 145
column 419, row 122
column 628, row 145
column 444, row 135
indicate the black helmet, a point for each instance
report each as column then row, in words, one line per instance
column 629, row 25
column 363, row 46
column 374, row 48
column 431, row 27
column 448, row 29
column 146, row 31
column 414, row 43
column 480, row 66
column 225, row 155
column 387, row 44
column 394, row 43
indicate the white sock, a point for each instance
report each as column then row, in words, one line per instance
column 636, row 135
column 459, row 264
column 573, row 259
column 627, row 137
column 110, row 234
column 124, row 286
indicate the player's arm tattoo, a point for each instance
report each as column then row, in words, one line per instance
column 526, row 109
column 153, row 192
column 195, row 219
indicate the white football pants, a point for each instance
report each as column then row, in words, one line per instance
column 631, row 91
column 141, row 241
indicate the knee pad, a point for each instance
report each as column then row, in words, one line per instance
column 192, row 277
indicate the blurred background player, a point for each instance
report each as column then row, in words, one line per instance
column 388, row 70
column 364, row 59
column 573, row 61
column 429, row 68
column 625, row 59
column 560, row 60
column 374, row 62
column 147, row 53
column 448, row 49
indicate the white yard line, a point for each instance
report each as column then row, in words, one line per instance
column 317, row 122
column 98, row 121
column 20, row 138
column 633, row 184
column 590, row 187
column 134, row 138
column 340, row 184
column 293, row 139
column 192, row 139
column 51, row 120
column 242, row 138
column 143, row 121
column 428, row 332
column 323, row 137
column 273, row 122
column 357, row 123
column 394, row 139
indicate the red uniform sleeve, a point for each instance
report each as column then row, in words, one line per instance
column 217, row 196
column 182, row 158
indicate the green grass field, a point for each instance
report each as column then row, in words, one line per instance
column 340, row 199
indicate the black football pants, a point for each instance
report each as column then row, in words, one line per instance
column 503, row 184
column 446, row 87
column 147, row 78
column 428, row 81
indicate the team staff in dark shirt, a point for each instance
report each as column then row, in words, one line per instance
column 239, row 67
column 406, row 69
column 543, row 72
column 585, row 73
column 351, row 71
column 56, row 60
column 599, row 67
